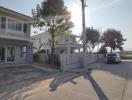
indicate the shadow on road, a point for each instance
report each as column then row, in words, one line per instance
column 87, row 75
column 57, row 81
column 16, row 80
column 96, row 87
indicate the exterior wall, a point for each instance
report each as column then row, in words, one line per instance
column 19, row 59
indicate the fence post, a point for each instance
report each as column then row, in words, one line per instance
column 61, row 62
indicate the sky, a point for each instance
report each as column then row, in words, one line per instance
column 100, row 14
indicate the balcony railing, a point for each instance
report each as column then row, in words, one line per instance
column 14, row 35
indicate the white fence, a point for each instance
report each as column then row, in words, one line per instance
column 42, row 57
column 69, row 61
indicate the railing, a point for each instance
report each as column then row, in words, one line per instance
column 11, row 35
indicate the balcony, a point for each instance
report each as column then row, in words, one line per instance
column 16, row 35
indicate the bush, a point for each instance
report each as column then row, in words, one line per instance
column 103, row 50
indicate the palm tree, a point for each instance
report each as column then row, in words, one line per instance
column 39, row 48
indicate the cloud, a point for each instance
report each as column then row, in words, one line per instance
column 104, row 6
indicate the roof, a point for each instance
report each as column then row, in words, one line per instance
column 11, row 12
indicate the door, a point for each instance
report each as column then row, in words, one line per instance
column 2, row 54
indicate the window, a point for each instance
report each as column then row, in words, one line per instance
column 14, row 25
column 3, row 22
column 25, row 28
column 23, row 51
column 2, row 54
column 11, row 54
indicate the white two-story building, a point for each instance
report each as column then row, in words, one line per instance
column 42, row 39
column 15, row 46
column 63, row 44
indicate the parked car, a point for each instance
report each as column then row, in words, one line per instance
column 113, row 58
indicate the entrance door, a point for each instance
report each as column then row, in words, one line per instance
column 2, row 54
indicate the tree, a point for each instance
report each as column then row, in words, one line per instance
column 49, row 14
column 103, row 50
column 92, row 37
column 38, row 49
column 114, row 39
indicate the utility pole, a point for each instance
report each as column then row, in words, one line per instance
column 83, row 24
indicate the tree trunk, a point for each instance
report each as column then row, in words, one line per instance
column 52, row 47
column 52, row 44
column 52, row 35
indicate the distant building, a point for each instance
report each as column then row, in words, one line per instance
column 68, row 44
column 42, row 39
column 63, row 43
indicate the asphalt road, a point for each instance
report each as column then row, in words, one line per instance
column 107, row 82
column 15, row 80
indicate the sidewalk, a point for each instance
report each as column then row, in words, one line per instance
column 93, row 66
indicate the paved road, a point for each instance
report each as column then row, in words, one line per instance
column 17, row 79
column 108, row 82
